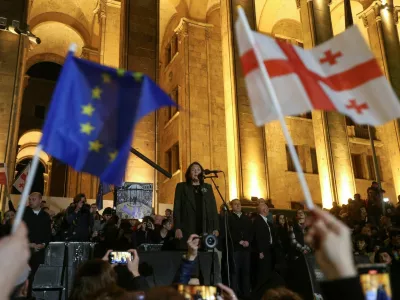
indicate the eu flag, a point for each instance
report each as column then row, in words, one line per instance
column 92, row 115
column 103, row 189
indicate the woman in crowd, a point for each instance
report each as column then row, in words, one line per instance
column 282, row 231
column 79, row 220
column 195, row 209
column 163, row 235
column 5, row 227
column 297, row 233
column 145, row 231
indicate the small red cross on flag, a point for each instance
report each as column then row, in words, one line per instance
column 357, row 107
column 330, row 58
column 20, row 182
column 349, row 81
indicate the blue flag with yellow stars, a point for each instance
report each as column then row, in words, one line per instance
column 103, row 189
column 92, row 115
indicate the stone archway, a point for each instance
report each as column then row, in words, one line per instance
column 26, row 149
column 41, row 80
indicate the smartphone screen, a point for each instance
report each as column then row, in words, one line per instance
column 197, row 292
column 119, row 257
column 375, row 281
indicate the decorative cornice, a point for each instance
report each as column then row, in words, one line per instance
column 101, row 9
column 113, row 3
column 182, row 29
column 396, row 13
column 376, row 8
column 365, row 20
column 86, row 52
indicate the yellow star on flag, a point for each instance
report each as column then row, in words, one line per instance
column 95, row 146
column 96, row 93
column 120, row 72
column 87, row 128
column 138, row 76
column 106, row 78
column 88, row 109
column 113, row 155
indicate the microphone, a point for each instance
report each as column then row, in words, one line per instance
column 207, row 171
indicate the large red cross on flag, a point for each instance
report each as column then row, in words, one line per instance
column 339, row 75
column 20, row 182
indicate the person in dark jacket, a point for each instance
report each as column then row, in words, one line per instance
column 164, row 235
column 296, row 234
column 240, row 229
column 265, row 247
column 79, row 220
column 145, row 233
column 39, row 233
column 282, row 230
column 195, row 209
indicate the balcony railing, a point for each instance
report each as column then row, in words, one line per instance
column 361, row 131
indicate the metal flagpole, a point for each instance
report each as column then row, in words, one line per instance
column 348, row 23
column 269, row 88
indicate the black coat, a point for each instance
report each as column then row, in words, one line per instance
column 261, row 240
column 79, row 224
column 185, row 209
column 39, row 226
column 240, row 230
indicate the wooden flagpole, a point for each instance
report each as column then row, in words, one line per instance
column 348, row 23
column 271, row 91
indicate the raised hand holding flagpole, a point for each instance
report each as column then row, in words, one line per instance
column 271, row 91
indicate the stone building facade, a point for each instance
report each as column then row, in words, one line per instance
column 189, row 48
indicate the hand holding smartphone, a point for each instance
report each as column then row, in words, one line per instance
column 120, row 257
column 375, row 281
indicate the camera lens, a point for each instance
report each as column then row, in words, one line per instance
column 210, row 241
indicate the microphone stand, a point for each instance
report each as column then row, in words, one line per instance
column 225, row 224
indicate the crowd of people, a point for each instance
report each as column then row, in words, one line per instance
column 98, row 279
column 259, row 254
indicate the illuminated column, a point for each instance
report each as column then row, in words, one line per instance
column 13, row 50
column 331, row 139
column 248, row 138
column 109, row 13
column 139, row 52
column 231, row 120
column 380, row 19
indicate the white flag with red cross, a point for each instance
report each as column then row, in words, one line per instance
column 3, row 174
column 339, row 75
column 19, row 183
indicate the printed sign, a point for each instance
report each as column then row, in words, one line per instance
column 134, row 200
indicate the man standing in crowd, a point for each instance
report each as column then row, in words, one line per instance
column 168, row 213
column 240, row 232
column 297, row 233
column 98, row 225
column 39, row 233
column 266, row 253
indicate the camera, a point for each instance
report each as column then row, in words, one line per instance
column 209, row 241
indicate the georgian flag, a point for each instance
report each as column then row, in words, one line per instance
column 20, row 182
column 3, row 174
column 339, row 75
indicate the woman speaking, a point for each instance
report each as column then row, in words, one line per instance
column 195, row 209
